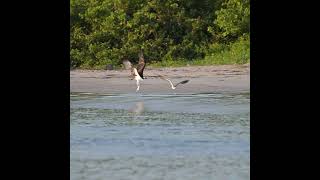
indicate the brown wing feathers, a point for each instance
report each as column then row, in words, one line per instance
column 141, row 64
column 182, row 82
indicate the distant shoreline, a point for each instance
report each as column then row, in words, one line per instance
column 203, row 79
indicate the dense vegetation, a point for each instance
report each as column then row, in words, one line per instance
column 171, row 32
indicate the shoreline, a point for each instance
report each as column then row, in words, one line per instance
column 203, row 79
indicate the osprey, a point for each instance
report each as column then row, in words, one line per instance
column 137, row 73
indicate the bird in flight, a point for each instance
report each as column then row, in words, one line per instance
column 137, row 73
column 173, row 86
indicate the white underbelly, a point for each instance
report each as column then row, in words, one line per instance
column 138, row 78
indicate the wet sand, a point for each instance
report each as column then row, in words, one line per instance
column 203, row 79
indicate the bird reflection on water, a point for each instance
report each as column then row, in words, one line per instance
column 138, row 108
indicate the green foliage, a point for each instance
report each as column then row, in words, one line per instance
column 234, row 53
column 170, row 31
column 234, row 17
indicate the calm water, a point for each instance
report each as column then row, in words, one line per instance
column 160, row 136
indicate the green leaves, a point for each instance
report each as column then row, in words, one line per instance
column 106, row 31
column 234, row 17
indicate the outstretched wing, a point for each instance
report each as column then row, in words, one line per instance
column 141, row 64
column 182, row 82
column 127, row 64
column 167, row 79
column 173, row 86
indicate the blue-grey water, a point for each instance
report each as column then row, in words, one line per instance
column 160, row 136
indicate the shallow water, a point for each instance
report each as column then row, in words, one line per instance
column 160, row 136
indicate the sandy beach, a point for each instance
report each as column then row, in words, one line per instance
column 203, row 79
